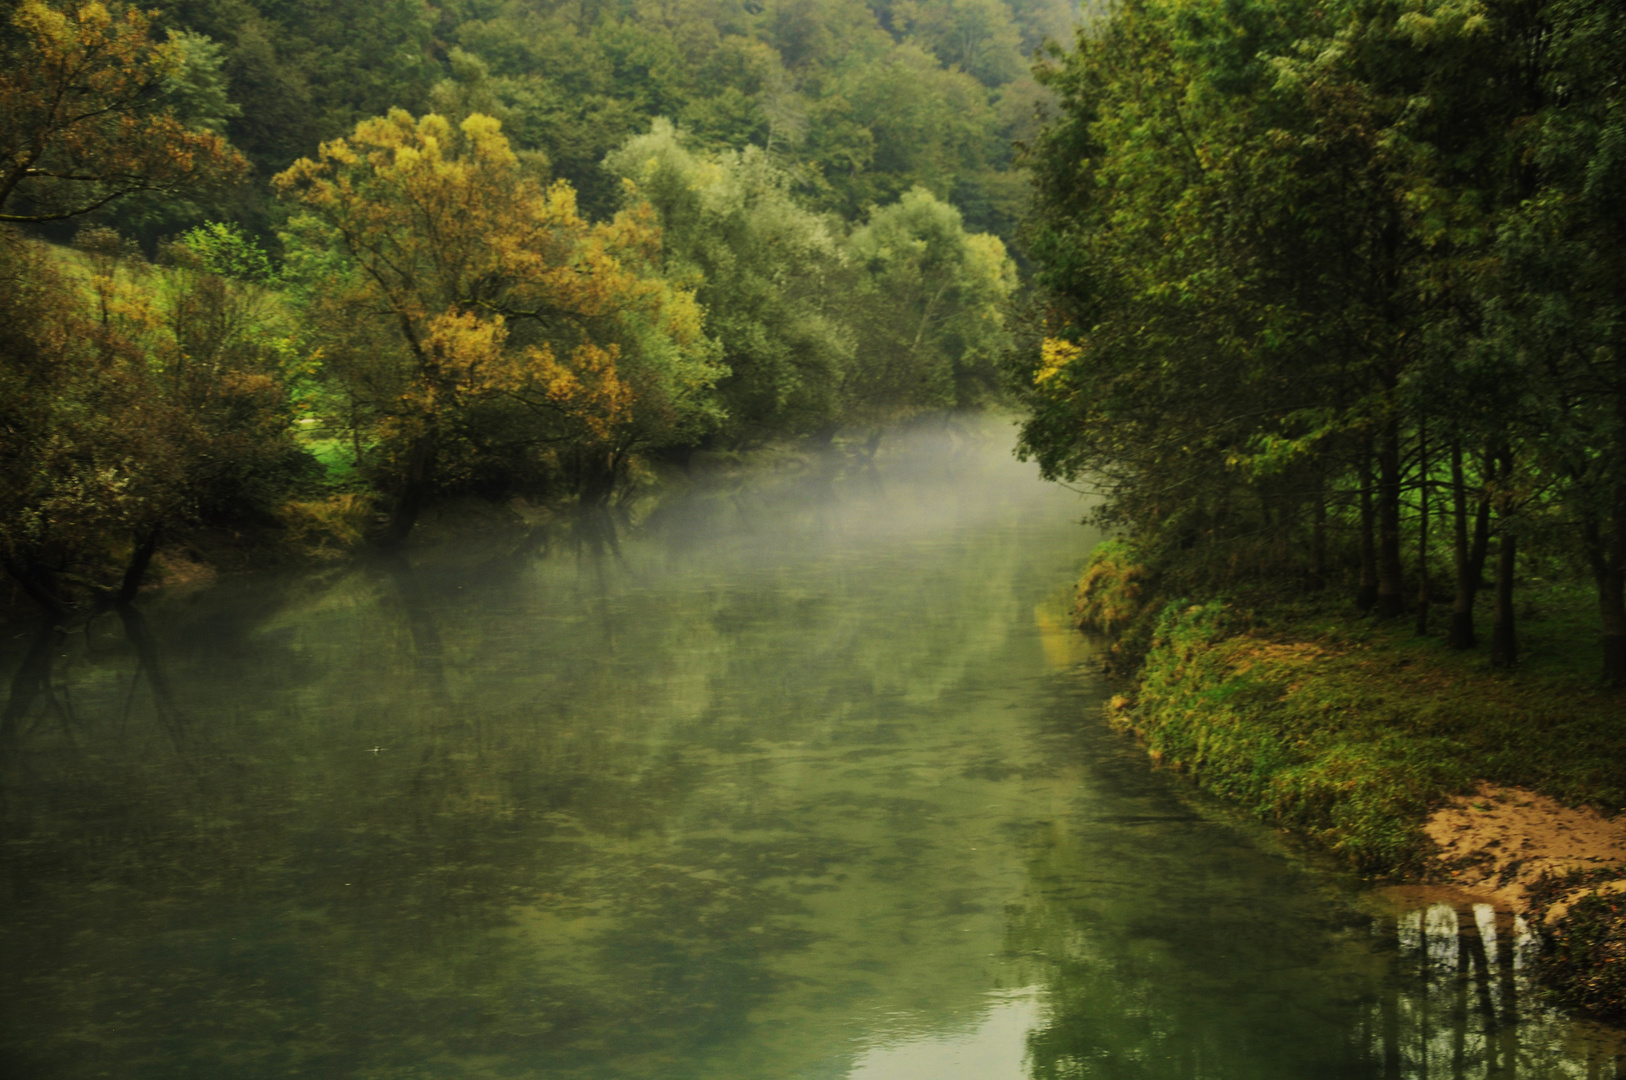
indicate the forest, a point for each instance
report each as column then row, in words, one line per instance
column 309, row 266
column 1319, row 304
column 1327, row 294
column 1335, row 296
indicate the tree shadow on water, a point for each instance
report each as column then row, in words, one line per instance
column 31, row 683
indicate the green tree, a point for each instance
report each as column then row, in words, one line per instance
column 976, row 36
column 1557, row 309
column 930, row 311
column 768, row 273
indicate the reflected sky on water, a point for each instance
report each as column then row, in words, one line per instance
column 808, row 779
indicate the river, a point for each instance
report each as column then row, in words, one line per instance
column 807, row 781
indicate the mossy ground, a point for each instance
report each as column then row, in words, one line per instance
column 1350, row 730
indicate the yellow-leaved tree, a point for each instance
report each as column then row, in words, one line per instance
column 85, row 116
column 479, row 328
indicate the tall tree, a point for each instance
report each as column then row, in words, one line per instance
column 88, row 114
column 769, row 274
column 930, row 307
column 470, row 304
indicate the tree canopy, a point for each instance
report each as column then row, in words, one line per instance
column 1320, row 274
column 94, row 108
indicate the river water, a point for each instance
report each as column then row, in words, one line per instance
column 807, row 781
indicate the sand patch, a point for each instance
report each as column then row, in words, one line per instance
column 1500, row 841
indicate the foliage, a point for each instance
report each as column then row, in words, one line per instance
column 134, row 400
column 329, row 526
column 768, row 272
column 1111, row 594
column 1585, row 958
column 225, row 250
column 1310, row 273
column 473, row 314
column 931, row 301
column 481, row 303
column 1349, row 733
column 859, row 101
column 89, row 100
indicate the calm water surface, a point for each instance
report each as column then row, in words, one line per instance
column 809, row 782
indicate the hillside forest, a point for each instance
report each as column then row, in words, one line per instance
column 309, row 267
column 1319, row 294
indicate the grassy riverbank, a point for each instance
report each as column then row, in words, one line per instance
column 1351, row 731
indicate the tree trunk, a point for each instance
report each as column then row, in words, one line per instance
column 1609, row 555
column 1504, row 640
column 1471, row 555
column 140, row 559
column 1367, row 595
column 1391, row 568
column 1612, row 610
column 1422, row 530
column 1318, row 534
column 1462, row 608
column 1609, row 575
column 420, row 467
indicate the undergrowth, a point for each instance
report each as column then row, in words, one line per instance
column 1350, row 730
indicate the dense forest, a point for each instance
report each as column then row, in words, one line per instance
column 1331, row 293
column 308, row 266
column 1336, row 294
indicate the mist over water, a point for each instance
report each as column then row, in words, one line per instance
column 806, row 778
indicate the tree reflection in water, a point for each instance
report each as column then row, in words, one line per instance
column 788, row 788
column 1452, row 1002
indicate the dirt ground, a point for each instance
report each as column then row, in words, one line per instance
column 1500, row 841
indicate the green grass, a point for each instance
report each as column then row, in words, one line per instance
column 1350, row 730
column 336, row 457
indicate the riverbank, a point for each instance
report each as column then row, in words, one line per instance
column 337, row 525
column 1383, row 747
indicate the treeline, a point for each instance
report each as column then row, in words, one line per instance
column 320, row 264
column 858, row 101
column 1337, row 294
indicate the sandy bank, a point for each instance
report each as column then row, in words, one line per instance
column 1502, row 842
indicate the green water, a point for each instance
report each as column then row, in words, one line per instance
column 807, row 782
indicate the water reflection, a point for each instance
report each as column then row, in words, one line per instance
column 993, row 1048
column 796, row 784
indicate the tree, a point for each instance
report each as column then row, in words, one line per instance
column 769, row 274
column 87, row 115
column 132, row 400
column 480, row 318
column 1557, row 309
column 1203, row 343
column 930, row 310
column 977, row 36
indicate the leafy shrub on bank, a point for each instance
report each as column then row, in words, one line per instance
column 1249, row 719
column 326, row 528
column 1585, row 958
column 1116, row 596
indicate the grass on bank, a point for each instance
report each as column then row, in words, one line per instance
column 1350, row 730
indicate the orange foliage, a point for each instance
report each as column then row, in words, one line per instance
column 85, row 118
column 492, row 287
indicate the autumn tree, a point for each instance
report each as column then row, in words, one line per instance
column 481, row 322
column 87, row 114
column 133, row 400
